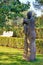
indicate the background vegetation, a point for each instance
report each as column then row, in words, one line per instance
column 12, row 13
column 11, row 56
column 19, row 43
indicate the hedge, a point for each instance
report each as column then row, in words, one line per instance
column 18, row 32
column 39, row 32
column 19, row 43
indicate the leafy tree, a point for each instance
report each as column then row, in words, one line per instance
column 40, row 1
column 4, row 10
column 39, row 22
column 11, row 9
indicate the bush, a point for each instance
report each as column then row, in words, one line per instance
column 39, row 46
column 18, row 32
column 11, row 42
column 19, row 43
column 39, row 33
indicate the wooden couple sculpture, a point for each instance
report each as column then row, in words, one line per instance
column 30, row 35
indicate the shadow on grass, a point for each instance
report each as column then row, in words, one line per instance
column 16, row 59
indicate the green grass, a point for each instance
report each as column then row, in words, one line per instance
column 11, row 56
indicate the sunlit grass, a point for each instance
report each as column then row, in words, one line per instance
column 11, row 56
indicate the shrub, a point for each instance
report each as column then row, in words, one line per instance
column 19, row 43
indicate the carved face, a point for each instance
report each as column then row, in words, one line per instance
column 29, row 14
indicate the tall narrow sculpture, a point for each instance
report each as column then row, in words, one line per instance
column 29, row 42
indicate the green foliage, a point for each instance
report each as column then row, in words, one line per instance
column 19, row 43
column 39, row 46
column 4, row 10
column 1, row 31
column 18, row 32
column 11, row 56
column 10, row 9
column 40, row 1
column 11, row 42
column 39, row 33
column 39, row 22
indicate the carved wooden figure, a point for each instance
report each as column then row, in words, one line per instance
column 29, row 42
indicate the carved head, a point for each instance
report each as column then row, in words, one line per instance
column 29, row 14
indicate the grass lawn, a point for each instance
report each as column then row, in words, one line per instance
column 11, row 56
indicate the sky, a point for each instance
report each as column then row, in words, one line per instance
column 24, row 1
column 37, row 12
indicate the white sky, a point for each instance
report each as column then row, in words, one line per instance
column 37, row 12
column 24, row 1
